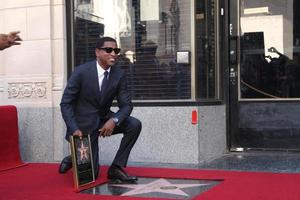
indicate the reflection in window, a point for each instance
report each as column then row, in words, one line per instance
column 149, row 42
column 270, row 35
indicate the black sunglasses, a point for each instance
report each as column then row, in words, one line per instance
column 109, row 50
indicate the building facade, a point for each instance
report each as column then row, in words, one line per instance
column 233, row 63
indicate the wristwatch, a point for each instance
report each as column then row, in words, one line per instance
column 116, row 120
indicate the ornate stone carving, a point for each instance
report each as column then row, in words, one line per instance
column 25, row 90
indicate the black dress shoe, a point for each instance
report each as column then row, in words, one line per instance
column 118, row 175
column 65, row 165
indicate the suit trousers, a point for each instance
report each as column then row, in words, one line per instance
column 131, row 128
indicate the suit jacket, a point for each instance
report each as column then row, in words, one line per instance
column 82, row 106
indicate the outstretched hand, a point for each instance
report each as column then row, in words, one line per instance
column 10, row 39
column 14, row 37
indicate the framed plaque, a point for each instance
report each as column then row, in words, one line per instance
column 82, row 160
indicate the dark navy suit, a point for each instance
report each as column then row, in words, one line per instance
column 84, row 108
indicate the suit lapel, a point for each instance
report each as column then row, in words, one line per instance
column 109, row 84
column 95, row 81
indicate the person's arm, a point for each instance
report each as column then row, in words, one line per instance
column 10, row 39
column 125, row 108
column 124, row 101
column 68, row 100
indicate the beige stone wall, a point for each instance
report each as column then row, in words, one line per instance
column 33, row 73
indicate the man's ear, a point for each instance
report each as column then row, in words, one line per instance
column 97, row 51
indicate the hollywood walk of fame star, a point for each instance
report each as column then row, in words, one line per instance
column 83, row 151
column 160, row 185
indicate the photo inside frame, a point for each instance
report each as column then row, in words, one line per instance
column 81, row 152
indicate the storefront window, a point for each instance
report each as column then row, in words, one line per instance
column 208, row 49
column 151, row 33
column 270, row 43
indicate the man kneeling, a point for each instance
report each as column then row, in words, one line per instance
column 86, row 104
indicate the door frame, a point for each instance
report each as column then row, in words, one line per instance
column 233, row 101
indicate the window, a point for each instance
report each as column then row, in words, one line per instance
column 270, row 43
column 207, row 49
column 156, row 41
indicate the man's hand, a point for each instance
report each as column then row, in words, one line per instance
column 13, row 37
column 10, row 39
column 78, row 133
column 107, row 129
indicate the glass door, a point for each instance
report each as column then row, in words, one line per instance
column 264, row 60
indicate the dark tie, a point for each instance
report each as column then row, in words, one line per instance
column 104, row 82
